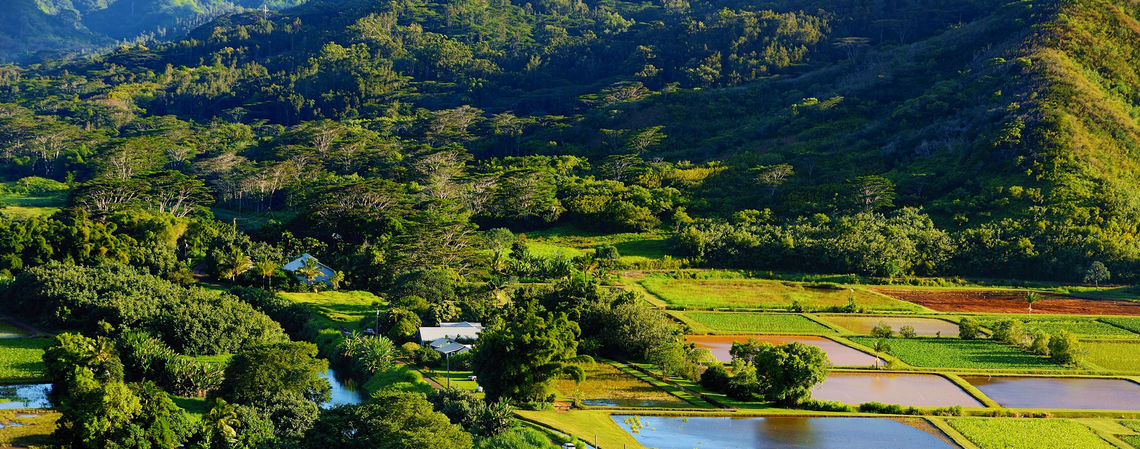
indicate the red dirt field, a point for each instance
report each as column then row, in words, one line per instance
column 1009, row 302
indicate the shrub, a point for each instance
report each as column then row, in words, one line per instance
column 826, row 406
column 907, row 331
column 1064, row 348
column 1040, row 345
column 882, row 330
column 968, row 329
column 1009, row 332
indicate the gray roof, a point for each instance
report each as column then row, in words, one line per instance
column 326, row 272
column 453, row 348
column 431, row 334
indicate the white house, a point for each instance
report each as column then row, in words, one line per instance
column 326, row 272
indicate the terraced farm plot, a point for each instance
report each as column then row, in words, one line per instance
column 1084, row 327
column 1130, row 323
column 762, row 294
column 922, row 326
column 1008, row 301
column 1118, row 356
column 605, row 385
column 1012, row 433
column 21, row 359
column 752, row 323
column 955, row 353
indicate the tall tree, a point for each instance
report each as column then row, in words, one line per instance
column 519, row 359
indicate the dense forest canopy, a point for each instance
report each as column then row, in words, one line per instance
column 996, row 138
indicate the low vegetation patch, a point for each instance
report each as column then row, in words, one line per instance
column 955, row 353
column 33, row 430
column 743, row 322
column 765, row 294
column 1006, row 433
column 341, row 307
column 21, row 359
column 1118, row 356
column 608, row 385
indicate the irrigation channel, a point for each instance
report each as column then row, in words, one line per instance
column 783, row 432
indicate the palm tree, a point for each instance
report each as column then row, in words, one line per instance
column 1031, row 297
column 221, row 421
column 266, row 267
column 310, row 270
column 880, row 346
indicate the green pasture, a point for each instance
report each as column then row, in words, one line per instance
column 16, row 201
column 28, row 431
column 1009, row 433
column 966, row 354
column 750, row 323
column 570, row 241
column 341, row 308
column 21, row 359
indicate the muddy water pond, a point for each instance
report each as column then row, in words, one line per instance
column 922, row 326
column 344, row 390
column 839, row 354
column 919, row 390
column 24, row 396
column 1059, row 392
column 780, row 432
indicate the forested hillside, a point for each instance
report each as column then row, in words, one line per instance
column 926, row 137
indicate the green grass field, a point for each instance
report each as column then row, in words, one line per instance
column 1118, row 356
column 608, row 384
column 589, row 425
column 955, row 353
column 1079, row 326
column 762, row 294
column 31, row 431
column 570, row 241
column 21, row 359
column 1012, row 433
column 751, row 323
column 345, row 308
column 8, row 331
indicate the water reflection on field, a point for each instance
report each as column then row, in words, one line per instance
column 780, row 432
column 840, row 355
column 922, row 326
column 1059, row 392
column 919, row 390
column 24, row 396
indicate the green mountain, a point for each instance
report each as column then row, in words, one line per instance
column 31, row 30
column 1014, row 127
